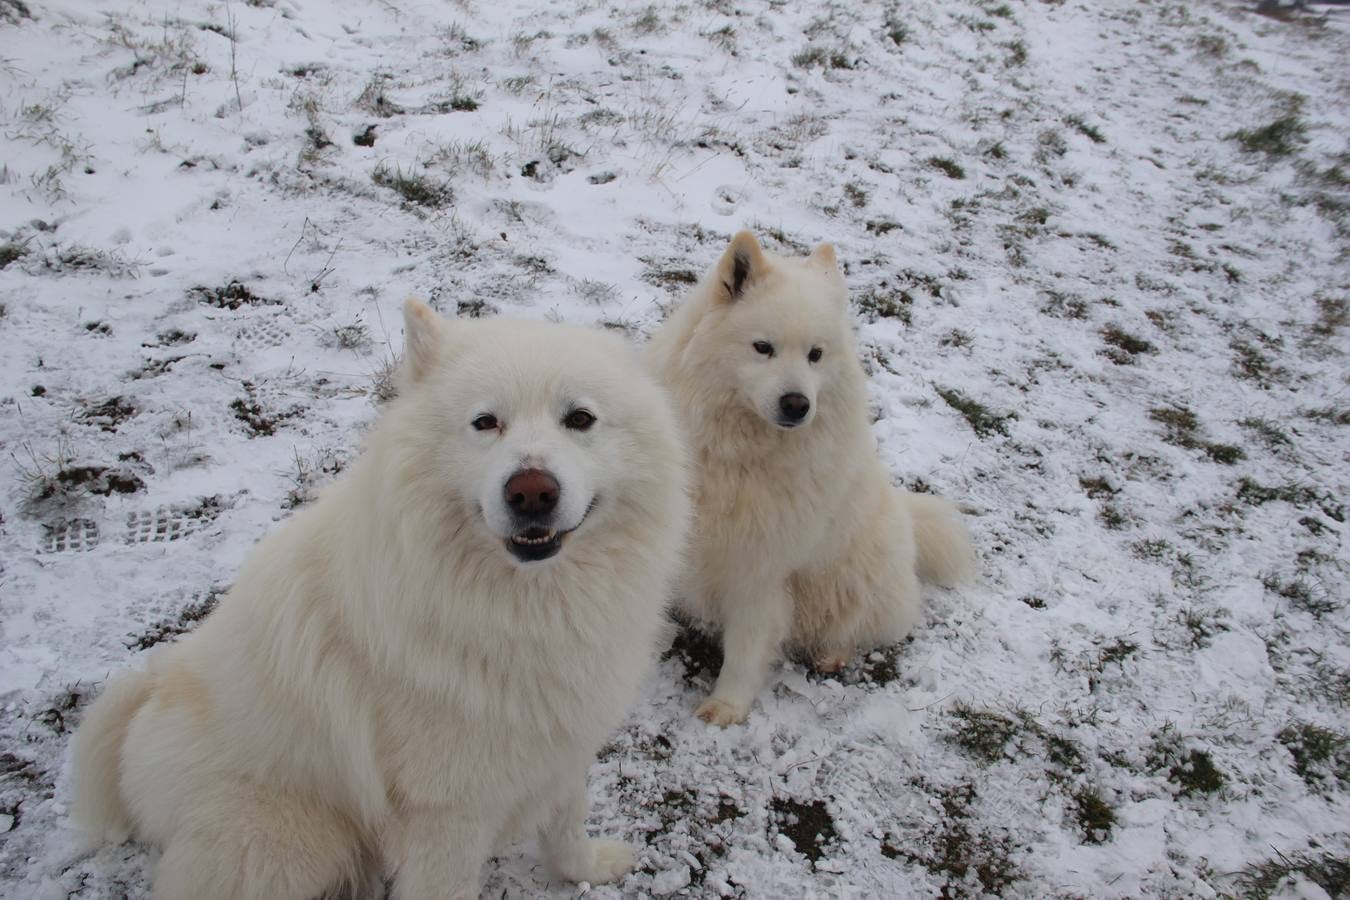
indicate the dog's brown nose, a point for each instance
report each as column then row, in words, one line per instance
column 532, row 492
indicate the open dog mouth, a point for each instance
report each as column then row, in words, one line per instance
column 539, row 542
column 535, row 543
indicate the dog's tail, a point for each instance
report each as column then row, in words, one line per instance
column 96, row 758
column 945, row 554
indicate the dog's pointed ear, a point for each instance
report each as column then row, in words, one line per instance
column 823, row 256
column 741, row 264
column 423, row 339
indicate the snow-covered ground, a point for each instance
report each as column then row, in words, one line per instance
column 1098, row 253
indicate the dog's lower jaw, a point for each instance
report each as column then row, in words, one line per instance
column 719, row 712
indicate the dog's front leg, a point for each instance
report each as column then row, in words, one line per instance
column 756, row 619
column 438, row 854
column 570, row 853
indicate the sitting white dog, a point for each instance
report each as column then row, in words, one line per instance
column 799, row 540
column 428, row 658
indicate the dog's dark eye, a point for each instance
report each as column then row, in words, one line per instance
column 764, row 348
column 485, row 422
column 815, row 354
column 579, row 419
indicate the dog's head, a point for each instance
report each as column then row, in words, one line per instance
column 781, row 329
column 536, row 425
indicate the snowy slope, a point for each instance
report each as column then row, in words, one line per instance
column 1098, row 252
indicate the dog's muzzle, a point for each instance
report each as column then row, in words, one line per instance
column 532, row 496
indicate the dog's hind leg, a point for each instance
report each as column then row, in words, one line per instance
column 756, row 620
column 244, row 843
column 570, row 853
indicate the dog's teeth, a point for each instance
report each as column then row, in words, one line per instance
column 523, row 539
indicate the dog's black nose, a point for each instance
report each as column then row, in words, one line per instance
column 531, row 492
column 794, row 407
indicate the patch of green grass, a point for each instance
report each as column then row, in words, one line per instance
column 1093, row 815
column 1097, row 488
column 1333, row 313
column 1212, row 44
column 675, row 278
column 1087, row 130
column 649, row 22
column 1176, row 418
column 1271, row 434
column 1225, row 454
column 1154, row 549
column 1328, row 414
column 1050, row 143
column 886, row 304
column 724, row 38
column 975, row 24
column 896, row 30
column 816, row 56
column 1329, row 872
column 414, row 188
column 1065, row 306
column 457, row 39
column 1280, row 138
column 1303, row 594
column 981, row 418
column 1257, row 494
column 948, row 166
column 1250, row 363
column 1117, row 651
column 1321, row 755
column 1113, row 517
column 880, row 227
column 12, row 250
column 1196, row 774
column 1253, row 492
column 1182, row 429
column 1123, row 347
column 1191, row 770
column 856, row 193
column 1202, row 624
column 956, row 338
column 983, row 734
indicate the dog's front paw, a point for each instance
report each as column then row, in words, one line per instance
column 606, row 861
column 829, row 663
column 721, row 713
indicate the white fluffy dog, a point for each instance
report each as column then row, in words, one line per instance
column 427, row 659
column 799, row 537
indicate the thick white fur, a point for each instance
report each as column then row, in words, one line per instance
column 385, row 691
column 799, row 537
